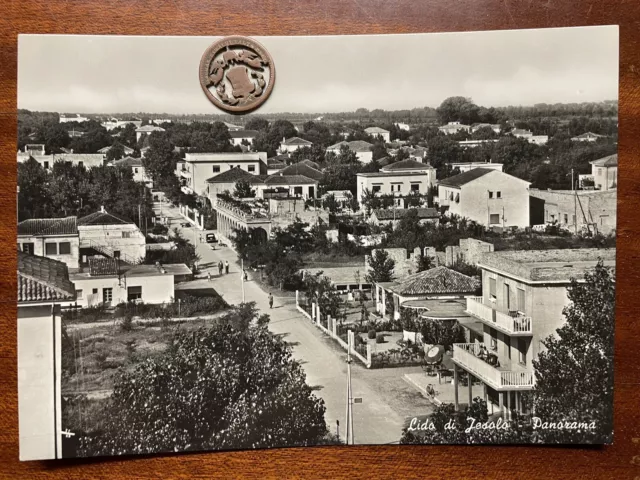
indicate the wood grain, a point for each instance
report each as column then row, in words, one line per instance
column 286, row 17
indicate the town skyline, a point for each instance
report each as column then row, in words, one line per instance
column 495, row 68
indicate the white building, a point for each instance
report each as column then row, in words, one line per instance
column 465, row 167
column 106, row 234
column 454, row 127
column 105, row 150
column 109, row 282
column 605, row 172
column 76, row 118
column 398, row 179
column 475, row 143
column 377, row 132
column 43, row 284
column 87, row 160
column 587, row 137
column 54, row 238
column 114, row 123
column 402, row 126
column 487, row 196
column 137, row 169
column 146, row 130
column 198, row 167
column 361, row 148
column 529, row 136
column 243, row 137
column 292, row 144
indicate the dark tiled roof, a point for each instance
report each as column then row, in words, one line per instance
column 439, row 280
column 48, row 226
column 398, row 213
column 42, row 279
column 302, row 169
column 289, row 180
column 129, row 162
column 310, row 164
column 234, row 175
column 610, row 161
column 408, row 164
column 243, row 133
column 296, row 141
column 355, row 146
column 384, row 161
column 103, row 266
column 465, row 177
column 278, row 159
column 103, row 218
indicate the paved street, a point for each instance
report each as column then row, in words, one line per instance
column 380, row 417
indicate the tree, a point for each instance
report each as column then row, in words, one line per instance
column 128, row 135
column 424, row 262
column 380, row 267
column 443, row 150
column 33, row 194
column 574, row 376
column 54, row 135
column 116, row 152
column 256, row 123
column 445, row 333
column 352, row 202
column 243, row 190
column 330, row 203
column 159, row 161
column 458, row 109
column 205, row 389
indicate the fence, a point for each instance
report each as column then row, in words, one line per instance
column 329, row 326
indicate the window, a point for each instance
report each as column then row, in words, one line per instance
column 297, row 190
column 520, row 296
column 494, row 218
column 415, row 187
column 65, row 248
column 46, row 165
column 50, row 248
column 81, row 164
column 492, row 289
column 27, row 248
column 94, row 291
column 376, row 188
column 507, row 346
column 252, row 168
column 507, row 296
column 566, row 218
column 494, row 339
column 522, row 351
column 126, row 234
column 134, row 293
column 498, row 194
column 116, row 254
column 490, row 194
column 135, row 170
column 79, row 294
column 216, row 169
column 107, row 295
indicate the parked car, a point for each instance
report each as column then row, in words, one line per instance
column 211, row 238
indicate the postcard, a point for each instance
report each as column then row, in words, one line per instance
column 248, row 243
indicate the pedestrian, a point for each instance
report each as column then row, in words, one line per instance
column 220, row 267
column 226, row 266
column 246, row 277
column 208, row 276
column 270, row 300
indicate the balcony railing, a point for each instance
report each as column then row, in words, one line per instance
column 466, row 355
column 512, row 323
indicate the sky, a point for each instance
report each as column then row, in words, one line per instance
column 110, row 74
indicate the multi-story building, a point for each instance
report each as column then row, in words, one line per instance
column 377, row 132
column 487, row 196
column 605, row 172
column 466, row 166
column 587, row 137
column 43, row 285
column 54, row 238
column 529, row 136
column 137, row 169
column 198, row 167
column 87, row 160
column 105, row 234
column 362, row 149
column 146, row 130
column 523, row 296
column 398, row 179
column 292, row 144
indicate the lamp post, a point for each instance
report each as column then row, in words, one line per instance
column 242, row 277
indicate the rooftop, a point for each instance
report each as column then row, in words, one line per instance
column 393, row 174
column 302, row 169
column 48, row 226
column 465, row 177
column 375, row 130
column 234, row 175
column 548, row 265
column 278, row 179
column 355, row 146
column 128, row 162
column 435, row 281
column 340, row 275
column 438, row 308
column 587, row 135
column 78, row 157
column 408, row 164
column 610, row 161
column 107, row 267
column 296, row 141
column 42, row 279
column 223, row 157
column 103, row 218
column 149, row 128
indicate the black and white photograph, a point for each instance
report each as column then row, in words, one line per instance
column 230, row 243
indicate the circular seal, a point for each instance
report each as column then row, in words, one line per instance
column 237, row 74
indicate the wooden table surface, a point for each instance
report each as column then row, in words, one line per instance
column 286, row 17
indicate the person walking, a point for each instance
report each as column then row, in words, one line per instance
column 208, row 276
column 246, row 277
column 220, row 267
column 226, row 266
column 270, row 300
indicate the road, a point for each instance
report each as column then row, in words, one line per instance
column 376, row 419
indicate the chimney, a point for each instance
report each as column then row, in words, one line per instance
column 284, row 139
column 102, row 210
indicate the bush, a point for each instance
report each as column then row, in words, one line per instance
column 380, row 338
column 127, row 322
column 372, row 334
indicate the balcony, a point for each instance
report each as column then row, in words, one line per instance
column 500, row 378
column 512, row 323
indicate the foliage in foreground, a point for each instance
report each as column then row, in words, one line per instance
column 232, row 385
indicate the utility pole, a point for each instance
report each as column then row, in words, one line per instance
column 242, row 277
column 575, row 206
column 349, row 421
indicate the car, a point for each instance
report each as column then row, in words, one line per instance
column 211, row 238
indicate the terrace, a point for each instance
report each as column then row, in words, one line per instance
column 512, row 323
